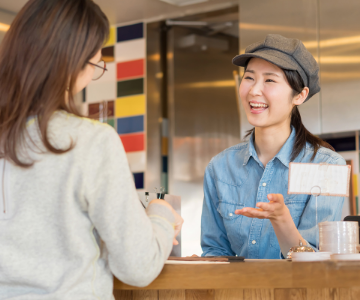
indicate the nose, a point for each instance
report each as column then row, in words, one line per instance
column 256, row 89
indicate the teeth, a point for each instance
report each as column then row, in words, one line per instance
column 258, row 105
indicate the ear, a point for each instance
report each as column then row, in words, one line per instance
column 299, row 99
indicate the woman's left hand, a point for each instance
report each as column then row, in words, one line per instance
column 274, row 210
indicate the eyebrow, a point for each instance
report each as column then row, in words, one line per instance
column 274, row 74
column 267, row 73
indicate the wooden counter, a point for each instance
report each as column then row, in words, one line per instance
column 250, row 280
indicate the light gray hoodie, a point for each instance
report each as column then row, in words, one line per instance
column 72, row 220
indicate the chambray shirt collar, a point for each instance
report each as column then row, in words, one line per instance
column 283, row 155
column 250, row 151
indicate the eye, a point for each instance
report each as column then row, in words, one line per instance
column 269, row 80
column 248, row 77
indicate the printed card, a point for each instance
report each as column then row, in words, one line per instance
column 319, row 179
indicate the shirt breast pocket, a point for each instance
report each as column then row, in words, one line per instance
column 227, row 210
column 296, row 205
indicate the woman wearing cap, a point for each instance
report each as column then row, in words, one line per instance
column 70, row 217
column 246, row 209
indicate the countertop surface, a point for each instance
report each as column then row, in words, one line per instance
column 255, row 274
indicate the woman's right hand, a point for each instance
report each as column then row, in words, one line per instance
column 178, row 219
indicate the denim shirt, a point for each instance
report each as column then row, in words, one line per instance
column 236, row 178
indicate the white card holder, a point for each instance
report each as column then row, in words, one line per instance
column 324, row 179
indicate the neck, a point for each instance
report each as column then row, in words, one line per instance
column 269, row 140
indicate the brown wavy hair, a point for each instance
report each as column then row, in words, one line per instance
column 48, row 44
column 303, row 135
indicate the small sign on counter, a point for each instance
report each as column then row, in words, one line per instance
column 330, row 180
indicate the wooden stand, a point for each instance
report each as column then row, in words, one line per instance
column 250, row 280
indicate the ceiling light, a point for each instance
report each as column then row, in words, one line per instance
column 339, row 59
column 4, row 27
column 334, row 42
column 197, row 42
column 183, row 2
column 209, row 84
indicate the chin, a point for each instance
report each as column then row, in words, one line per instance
column 257, row 122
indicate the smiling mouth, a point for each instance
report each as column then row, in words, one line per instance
column 258, row 106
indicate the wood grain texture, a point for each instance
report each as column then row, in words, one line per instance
column 123, row 295
column 345, row 294
column 323, row 294
column 258, row 294
column 267, row 274
column 355, row 293
column 199, row 294
column 259, row 274
column 229, row 294
column 242, row 294
column 326, row 274
column 145, row 295
column 171, row 294
column 290, row 294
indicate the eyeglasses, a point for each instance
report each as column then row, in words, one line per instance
column 99, row 70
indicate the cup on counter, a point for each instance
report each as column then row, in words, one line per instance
column 339, row 237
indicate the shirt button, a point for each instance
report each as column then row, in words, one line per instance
column 253, row 242
column 230, row 214
column 264, row 184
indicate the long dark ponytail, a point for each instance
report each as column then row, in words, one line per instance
column 302, row 134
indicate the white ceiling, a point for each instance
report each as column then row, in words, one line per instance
column 123, row 11
column 12, row 6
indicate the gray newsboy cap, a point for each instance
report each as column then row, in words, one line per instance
column 288, row 54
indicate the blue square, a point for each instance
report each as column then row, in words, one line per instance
column 139, row 180
column 165, row 164
column 130, row 32
column 130, row 125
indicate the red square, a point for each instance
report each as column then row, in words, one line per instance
column 130, row 69
column 133, row 142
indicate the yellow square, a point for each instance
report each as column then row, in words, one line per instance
column 111, row 40
column 130, row 106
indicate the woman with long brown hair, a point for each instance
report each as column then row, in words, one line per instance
column 246, row 210
column 69, row 213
